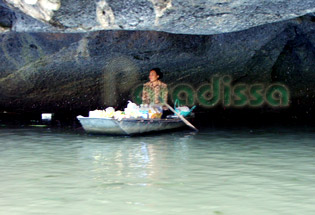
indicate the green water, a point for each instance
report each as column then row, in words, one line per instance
column 216, row 171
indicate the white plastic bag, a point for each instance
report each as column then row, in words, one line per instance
column 132, row 110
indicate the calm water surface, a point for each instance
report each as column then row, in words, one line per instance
column 216, row 171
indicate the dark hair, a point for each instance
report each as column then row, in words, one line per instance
column 158, row 72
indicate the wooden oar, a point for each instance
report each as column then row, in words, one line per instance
column 180, row 116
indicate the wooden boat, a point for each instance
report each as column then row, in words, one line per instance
column 128, row 126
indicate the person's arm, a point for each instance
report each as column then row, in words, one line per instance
column 164, row 94
column 145, row 96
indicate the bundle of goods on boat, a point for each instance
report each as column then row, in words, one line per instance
column 133, row 111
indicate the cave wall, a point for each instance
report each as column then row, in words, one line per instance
column 84, row 71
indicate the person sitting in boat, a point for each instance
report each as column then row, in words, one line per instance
column 154, row 89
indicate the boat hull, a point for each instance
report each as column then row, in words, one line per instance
column 127, row 126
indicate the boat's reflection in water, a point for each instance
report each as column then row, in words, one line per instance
column 118, row 161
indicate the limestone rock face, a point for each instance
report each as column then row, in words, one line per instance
column 71, row 55
column 202, row 17
column 52, row 71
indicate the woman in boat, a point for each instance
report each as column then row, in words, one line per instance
column 154, row 89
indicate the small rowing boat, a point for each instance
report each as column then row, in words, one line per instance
column 128, row 126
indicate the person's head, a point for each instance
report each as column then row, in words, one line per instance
column 155, row 74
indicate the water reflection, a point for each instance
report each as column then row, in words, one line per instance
column 129, row 161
